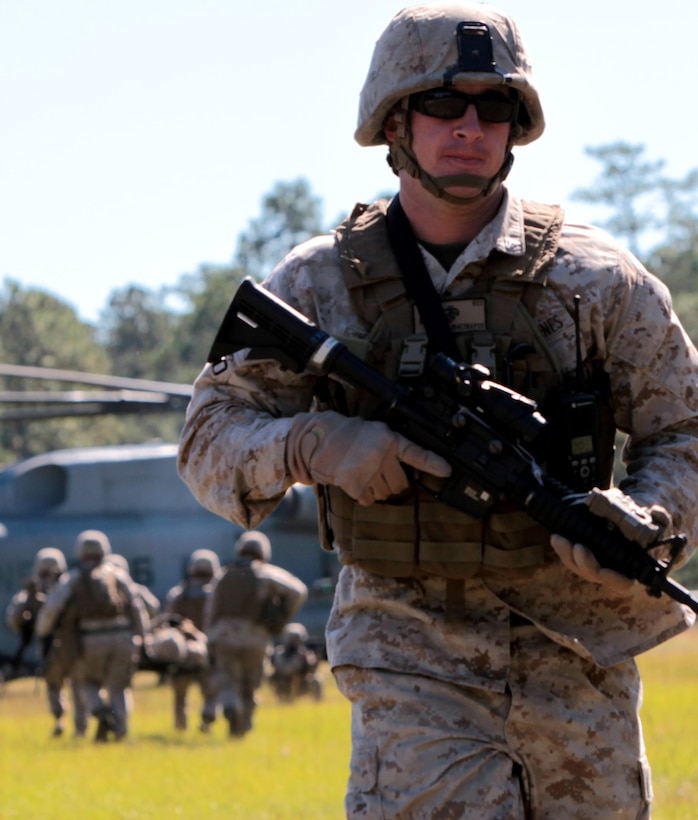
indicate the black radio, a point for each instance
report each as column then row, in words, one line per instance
column 576, row 441
column 579, row 451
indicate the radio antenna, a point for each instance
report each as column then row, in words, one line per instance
column 580, row 375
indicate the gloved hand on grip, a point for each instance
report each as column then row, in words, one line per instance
column 363, row 458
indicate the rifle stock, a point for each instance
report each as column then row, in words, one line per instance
column 481, row 428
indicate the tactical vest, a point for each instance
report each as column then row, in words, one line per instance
column 97, row 595
column 417, row 535
column 236, row 594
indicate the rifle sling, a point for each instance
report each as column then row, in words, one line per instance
column 418, row 282
column 420, row 289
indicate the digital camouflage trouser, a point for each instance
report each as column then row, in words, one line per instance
column 108, row 663
column 57, row 671
column 238, row 673
column 563, row 741
column 181, row 682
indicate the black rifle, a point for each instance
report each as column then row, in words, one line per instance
column 26, row 633
column 484, row 430
column 15, row 666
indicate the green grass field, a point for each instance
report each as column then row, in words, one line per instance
column 293, row 765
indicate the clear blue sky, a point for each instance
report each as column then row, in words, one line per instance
column 139, row 137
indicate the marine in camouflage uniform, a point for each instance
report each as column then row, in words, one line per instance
column 111, row 622
column 188, row 600
column 251, row 601
column 294, row 666
column 60, row 648
column 509, row 689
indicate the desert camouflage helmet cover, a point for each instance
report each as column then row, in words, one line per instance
column 253, row 544
column 203, row 561
column 294, row 630
column 49, row 559
column 419, row 50
column 120, row 561
column 92, row 544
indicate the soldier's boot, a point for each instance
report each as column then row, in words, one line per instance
column 106, row 722
column 235, row 720
column 248, row 710
column 206, row 721
column 315, row 687
column 80, row 724
column 102, row 733
column 180, row 712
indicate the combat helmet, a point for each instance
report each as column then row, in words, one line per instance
column 294, row 633
column 49, row 561
column 92, row 545
column 437, row 45
column 203, row 563
column 120, row 561
column 253, row 544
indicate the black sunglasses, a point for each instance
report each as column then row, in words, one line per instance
column 449, row 104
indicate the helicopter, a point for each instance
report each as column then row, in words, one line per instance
column 133, row 493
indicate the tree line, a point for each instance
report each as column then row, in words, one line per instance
column 162, row 334
column 166, row 334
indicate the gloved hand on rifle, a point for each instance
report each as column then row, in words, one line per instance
column 643, row 525
column 580, row 560
column 363, row 458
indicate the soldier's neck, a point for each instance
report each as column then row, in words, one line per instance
column 443, row 223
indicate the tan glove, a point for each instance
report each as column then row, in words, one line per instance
column 644, row 525
column 582, row 561
column 364, row 458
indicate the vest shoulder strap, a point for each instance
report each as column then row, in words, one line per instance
column 370, row 270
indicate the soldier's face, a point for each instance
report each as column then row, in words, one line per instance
column 461, row 145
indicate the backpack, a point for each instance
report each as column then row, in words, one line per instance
column 236, row 594
column 97, row 594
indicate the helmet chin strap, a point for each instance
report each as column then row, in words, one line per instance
column 401, row 157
